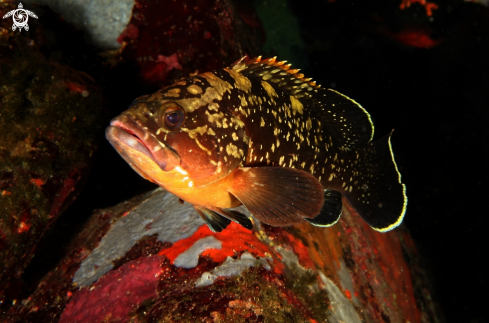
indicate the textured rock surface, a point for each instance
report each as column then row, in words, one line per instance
column 50, row 118
column 173, row 38
column 179, row 270
column 102, row 20
column 148, row 219
column 166, row 38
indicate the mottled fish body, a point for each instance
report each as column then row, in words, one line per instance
column 260, row 134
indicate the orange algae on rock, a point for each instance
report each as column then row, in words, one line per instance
column 416, row 36
column 429, row 6
column 234, row 240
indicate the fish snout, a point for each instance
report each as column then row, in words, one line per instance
column 125, row 135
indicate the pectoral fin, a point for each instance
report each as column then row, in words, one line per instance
column 278, row 196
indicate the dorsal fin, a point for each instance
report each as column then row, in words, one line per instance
column 348, row 121
column 279, row 73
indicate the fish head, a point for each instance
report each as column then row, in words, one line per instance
column 171, row 138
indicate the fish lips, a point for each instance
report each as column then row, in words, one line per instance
column 125, row 133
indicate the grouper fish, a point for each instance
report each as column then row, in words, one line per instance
column 259, row 133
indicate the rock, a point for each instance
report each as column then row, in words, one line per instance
column 166, row 39
column 50, row 119
column 153, row 259
column 174, row 39
column 102, row 20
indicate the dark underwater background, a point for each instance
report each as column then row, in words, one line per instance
column 436, row 99
column 427, row 77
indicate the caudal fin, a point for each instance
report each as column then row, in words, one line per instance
column 375, row 189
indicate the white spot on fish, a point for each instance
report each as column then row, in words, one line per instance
column 181, row 171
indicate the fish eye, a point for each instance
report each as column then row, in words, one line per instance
column 172, row 115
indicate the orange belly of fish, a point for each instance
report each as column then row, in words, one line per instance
column 214, row 194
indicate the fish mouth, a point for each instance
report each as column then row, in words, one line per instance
column 125, row 134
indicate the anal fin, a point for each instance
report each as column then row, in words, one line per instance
column 216, row 222
column 278, row 196
column 331, row 210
